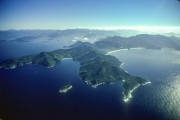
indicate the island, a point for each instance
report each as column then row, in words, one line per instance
column 65, row 88
column 96, row 67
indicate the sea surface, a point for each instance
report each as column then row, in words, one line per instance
column 31, row 92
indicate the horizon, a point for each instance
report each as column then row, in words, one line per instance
column 71, row 14
column 144, row 29
column 109, row 28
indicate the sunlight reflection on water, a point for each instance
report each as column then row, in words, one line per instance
column 161, row 66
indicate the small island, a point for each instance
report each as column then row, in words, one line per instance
column 96, row 67
column 65, row 88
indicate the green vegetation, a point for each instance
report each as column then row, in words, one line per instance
column 46, row 59
column 96, row 67
column 131, row 82
column 16, row 62
column 100, row 69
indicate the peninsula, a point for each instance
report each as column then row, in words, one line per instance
column 96, row 67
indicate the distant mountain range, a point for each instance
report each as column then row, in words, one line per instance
column 138, row 41
column 69, row 34
column 89, row 35
column 96, row 66
column 142, row 40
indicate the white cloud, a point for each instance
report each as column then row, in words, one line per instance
column 85, row 39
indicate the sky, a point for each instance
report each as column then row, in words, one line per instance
column 68, row 14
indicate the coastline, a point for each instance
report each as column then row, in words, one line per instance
column 15, row 66
column 115, row 51
column 65, row 89
column 138, row 48
column 51, row 66
column 94, row 86
column 129, row 96
column 67, row 58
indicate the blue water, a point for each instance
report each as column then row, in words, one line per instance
column 31, row 92
column 162, row 68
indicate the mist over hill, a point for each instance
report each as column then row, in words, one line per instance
column 139, row 41
column 72, row 35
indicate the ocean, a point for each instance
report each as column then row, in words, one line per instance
column 31, row 92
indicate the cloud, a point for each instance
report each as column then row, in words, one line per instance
column 85, row 39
